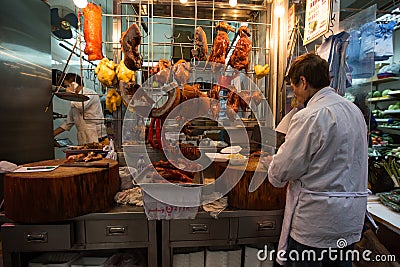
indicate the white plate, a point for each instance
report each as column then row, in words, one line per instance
column 231, row 150
column 217, row 157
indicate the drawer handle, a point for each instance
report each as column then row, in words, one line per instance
column 199, row 228
column 268, row 225
column 116, row 230
column 37, row 237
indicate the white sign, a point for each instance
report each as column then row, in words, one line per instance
column 318, row 13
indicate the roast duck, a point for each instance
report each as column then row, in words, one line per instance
column 92, row 31
column 221, row 44
column 179, row 171
column 240, row 56
column 240, row 99
column 200, row 49
column 130, row 41
column 181, row 70
column 162, row 71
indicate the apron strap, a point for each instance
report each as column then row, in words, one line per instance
column 335, row 194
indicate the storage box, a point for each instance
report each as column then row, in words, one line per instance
column 194, row 259
column 170, row 201
column 231, row 258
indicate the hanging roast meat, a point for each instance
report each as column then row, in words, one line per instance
column 244, row 99
column 221, row 43
column 130, row 41
column 232, row 103
column 240, row 56
column 173, row 99
column 181, row 71
column 92, row 31
column 200, row 49
column 162, row 71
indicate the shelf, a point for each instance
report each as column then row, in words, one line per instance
column 384, row 80
column 376, row 81
column 390, row 130
column 391, row 112
column 382, row 120
column 382, row 98
column 395, row 93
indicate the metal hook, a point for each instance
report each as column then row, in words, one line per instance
column 172, row 37
column 147, row 34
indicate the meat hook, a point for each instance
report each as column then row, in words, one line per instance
column 172, row 37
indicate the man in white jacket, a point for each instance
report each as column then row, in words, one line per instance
column 324, row 160
column 86, row 116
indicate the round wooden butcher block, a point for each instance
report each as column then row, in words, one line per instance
column 266, row 197
column 61, row 194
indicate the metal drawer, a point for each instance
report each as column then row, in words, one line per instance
column 18, row 237
column 104, row 231
column 199, row 229
column 259, row 226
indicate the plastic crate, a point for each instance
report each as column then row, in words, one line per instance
column 181, row 202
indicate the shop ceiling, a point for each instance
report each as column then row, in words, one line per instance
column 351, row 7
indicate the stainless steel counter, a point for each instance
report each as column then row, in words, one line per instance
column 126, row 227
column 119, row 228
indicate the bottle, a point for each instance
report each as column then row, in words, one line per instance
column 141, row 164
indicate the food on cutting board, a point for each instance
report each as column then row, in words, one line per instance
column 105, row 72
column 82, row 157
column 236, row 156
column 92, row 31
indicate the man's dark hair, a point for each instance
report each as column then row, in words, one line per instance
column 313, row 68
column 72, row 77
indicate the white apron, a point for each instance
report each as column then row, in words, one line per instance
column 292, row 196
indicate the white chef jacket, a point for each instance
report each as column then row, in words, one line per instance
column 326, row 151
column 87, row 118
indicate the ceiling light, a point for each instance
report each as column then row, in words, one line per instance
column 80, row 3
column 279, row 11
column 232, row 3
column 183, row 1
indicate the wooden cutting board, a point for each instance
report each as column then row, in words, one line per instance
column 61, row 194
column 266, row 197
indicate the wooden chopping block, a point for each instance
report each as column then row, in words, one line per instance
column 266, row 197
column 61, row 194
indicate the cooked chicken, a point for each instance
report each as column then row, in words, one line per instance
column 113, row 100
column 105, row 72
column 240, row 56
column 124, row 74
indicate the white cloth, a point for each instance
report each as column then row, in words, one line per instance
column 87, row 117
column 326, row 151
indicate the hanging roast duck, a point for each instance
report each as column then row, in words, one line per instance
column 240, row 56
